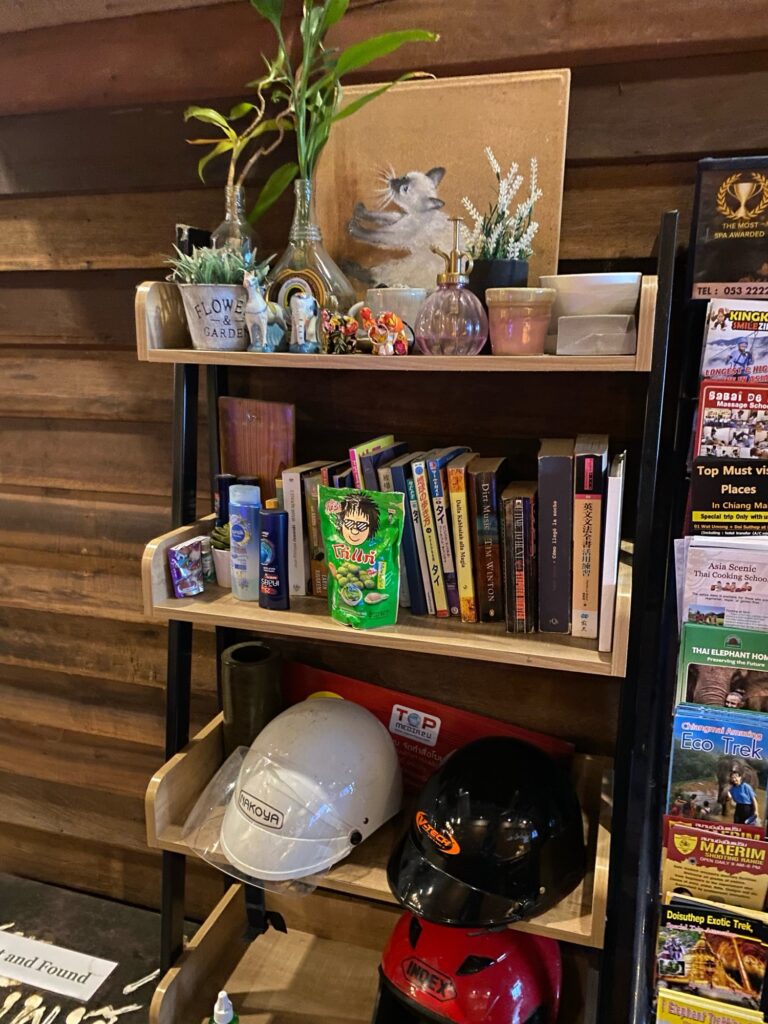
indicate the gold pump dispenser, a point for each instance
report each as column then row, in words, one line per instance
column 458, row 264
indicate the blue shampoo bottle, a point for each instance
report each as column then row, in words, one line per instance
column 273, row 564
column 244, row 508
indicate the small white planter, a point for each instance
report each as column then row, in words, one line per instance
column 216, row 316
column 223, row 566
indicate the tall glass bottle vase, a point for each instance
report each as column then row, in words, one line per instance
column 305, row 266
column 234, row 232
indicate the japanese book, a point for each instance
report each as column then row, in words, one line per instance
column 675, row 1006
column 723, row 667
column 370, row 462
column 726, row 582
column 736, row 341
column 728, row 497
column 366, row 448
column 611, row 544
column 386, row 484
column 727, row 868
column 399, row 471
column 318, row 569
column 298, row 541
column 712, row 952
column 429, row 535
column 486, row 479
column 462, row 535
column 590, row 462
column 718, row 765
column 555, row 534
column 441, row 508
column 518, row 504
column 421, row 551
column 732, row 421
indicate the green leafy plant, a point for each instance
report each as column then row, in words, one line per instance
column 215, row 266
column 309, row 93
column 260, row 137
column 220, row 537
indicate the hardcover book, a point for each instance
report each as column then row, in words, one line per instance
column 725, row 868
column 398, row 472
column 462, row 535
column 732, row 421
column 728, row 497
column 590, row 463
column 518, row 503
column 736, row 341
column 441, row 509
column 486, row 478
column 611, row 546
column 718, row 764
column 333, row 469
column 298, row 541
column 387, row 485
column 366, row 448
column 710, row 951
column 370, row 462
column 555, row 534
column 726, row 583
column 429, row 535
column 723, row 667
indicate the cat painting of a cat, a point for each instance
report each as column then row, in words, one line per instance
column 409, row 220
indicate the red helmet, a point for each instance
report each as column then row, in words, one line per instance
column 436, row 973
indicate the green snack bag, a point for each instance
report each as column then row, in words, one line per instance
column 362, row 531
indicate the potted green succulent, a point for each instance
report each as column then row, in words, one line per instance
column 500, row 240
column 220, row 548
column 211, row 286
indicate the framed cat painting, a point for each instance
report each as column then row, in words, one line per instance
column 392, row 175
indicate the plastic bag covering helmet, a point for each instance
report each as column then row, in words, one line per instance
column 457, row 974
column 318, row 780
column 497, row 837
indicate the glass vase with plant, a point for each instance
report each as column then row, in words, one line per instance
column 308, row 91
column 500, row 240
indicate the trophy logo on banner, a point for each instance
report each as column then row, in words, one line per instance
column 751, row 197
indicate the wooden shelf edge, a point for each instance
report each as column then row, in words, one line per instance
column 162, row 337
column 175, row 787
column 421, row 634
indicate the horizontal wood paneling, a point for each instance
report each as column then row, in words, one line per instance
column 475, row 37
column 23, row 15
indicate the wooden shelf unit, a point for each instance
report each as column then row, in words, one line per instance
column 578, row 919
column 309, row 618
column 162, row 337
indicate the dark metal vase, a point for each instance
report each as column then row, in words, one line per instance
column 497, row 274
column 251, row 692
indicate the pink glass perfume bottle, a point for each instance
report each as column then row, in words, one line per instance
column 452, row 322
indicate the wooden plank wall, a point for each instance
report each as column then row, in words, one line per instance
column 94, row 173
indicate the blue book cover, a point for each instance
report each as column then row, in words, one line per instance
column 370, row 463
column 441, row 507
column 400, row 469
column 718, row 767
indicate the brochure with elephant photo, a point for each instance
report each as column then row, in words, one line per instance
column 723, row 667
column 718, row 765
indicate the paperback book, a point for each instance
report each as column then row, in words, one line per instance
column 726, row 583
column 723, row 667
column 299, row 574
column 555, row 534
column 611, row 546
column 590, row 464
column 719, row 764
column 518, row 503
column 462, row 535
column 441, row 509
column 356, row 453
column 732, row 421
column 429, row 535
column 736, row 341
column 486, row 478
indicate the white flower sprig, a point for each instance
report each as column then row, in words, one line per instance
column 500, row 234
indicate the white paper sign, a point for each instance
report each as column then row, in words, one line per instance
column 52, row 967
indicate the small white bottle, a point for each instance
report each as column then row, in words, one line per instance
column 244, row 508
column 223, row 1013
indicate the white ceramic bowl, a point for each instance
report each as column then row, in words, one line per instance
column 590, row 294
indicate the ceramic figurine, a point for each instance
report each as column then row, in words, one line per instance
column 387, row 333
column 277, row 333
column 338, row 335
column 264, row 320
column 304, row 321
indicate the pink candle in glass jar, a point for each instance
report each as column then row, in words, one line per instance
column 519, row 319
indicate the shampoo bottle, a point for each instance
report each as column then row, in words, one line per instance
column 223, row 1012
column 244, row 506
column 273, row 557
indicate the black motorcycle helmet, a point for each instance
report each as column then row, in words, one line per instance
column 496, row 837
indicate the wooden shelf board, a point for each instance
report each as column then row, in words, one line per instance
column 578, row 919
column 308, row 618
column 161, row 337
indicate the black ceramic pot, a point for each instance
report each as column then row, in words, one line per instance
column 497, row 274
column 251, row 692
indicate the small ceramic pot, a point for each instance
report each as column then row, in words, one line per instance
column 222, row 565
column 497, row 274
column 216, row 316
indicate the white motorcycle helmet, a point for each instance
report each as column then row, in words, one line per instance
column 318, row 780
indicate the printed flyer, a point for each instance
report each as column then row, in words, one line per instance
column 726, row 584
column 722, row 868
column 723, row 667
column 736, row 341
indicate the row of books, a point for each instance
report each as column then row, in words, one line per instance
column 478, row 545
column 712, row 949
